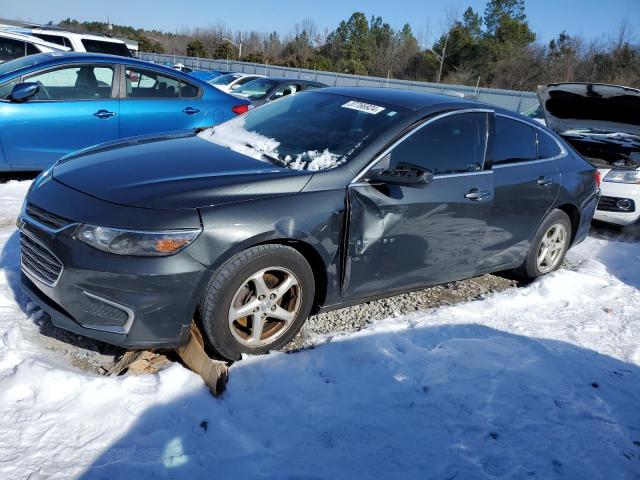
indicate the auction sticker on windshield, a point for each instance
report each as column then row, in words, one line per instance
column 363, row 107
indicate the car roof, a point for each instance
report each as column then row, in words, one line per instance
column 289, row 80
column 31, row 39
column 62, row 58
column 411, row 99
column 65, row 33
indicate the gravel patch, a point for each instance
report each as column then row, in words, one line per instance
column 357, row 317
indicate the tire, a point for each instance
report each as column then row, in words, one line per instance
column 532, row 267
column 273, row 285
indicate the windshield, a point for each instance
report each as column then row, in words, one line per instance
column 308, row 131
column 256, row 89
column 224, row 79
column 23, row 62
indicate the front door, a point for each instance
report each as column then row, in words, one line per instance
column 402, row 237
column 157, row 103
column 75, row 108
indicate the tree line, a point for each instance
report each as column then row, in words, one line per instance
column 495, row 48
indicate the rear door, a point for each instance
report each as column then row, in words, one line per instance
column 402, row 237
column 75, row 108
column 527, row 183
column 156, row 102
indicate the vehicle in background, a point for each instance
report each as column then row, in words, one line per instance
column 16, row 45
column 263, row 90
column 536, row 113
column 314, row 202
column 83, row 42
column 204, row 75
column 602, row 122
column 55, row 103
column 232, row 81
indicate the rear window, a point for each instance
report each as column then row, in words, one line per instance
column 514, row 141
column 225, row 79
column 110, row 48
column 547, row 146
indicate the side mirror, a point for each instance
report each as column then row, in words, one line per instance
column 24, row 91
column 404, row 174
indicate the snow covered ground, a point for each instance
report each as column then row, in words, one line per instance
column 537, row 382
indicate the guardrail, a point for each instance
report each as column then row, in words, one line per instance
column 518, row 101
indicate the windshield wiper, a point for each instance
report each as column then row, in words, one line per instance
column 268, row 156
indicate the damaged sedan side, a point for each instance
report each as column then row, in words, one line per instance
column 313, row 202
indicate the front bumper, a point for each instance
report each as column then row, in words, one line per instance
column 620, row 191
column 132, row 302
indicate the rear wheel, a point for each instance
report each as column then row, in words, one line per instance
column 549, row 246
column 257, row 301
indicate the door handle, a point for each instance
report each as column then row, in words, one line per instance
column 544, row 181
column 104, row 114
column 477, row 195
column 190, row 111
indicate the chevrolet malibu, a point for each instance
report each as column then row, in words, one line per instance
column 314, row 202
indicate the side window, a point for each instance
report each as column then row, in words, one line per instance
column 514, row 141
column 11, row 49
column 149, row 84
column 547, row 146
column 85, row 82
column 285, row 90
column 32, row 49
column 57, row 39
column 454, row 144
column 241, row 82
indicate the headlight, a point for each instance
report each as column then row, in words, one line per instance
column 623, row 176
column 134, row 242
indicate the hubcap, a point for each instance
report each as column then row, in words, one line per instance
column 552, row 247
column 265, row 306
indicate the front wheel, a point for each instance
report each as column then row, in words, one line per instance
column 549, row 246
column 257, row 301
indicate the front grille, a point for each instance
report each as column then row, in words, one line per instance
column 616, row 204
column 38, row 261
column 46, row 218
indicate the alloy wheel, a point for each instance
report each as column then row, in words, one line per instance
column 552, row 247
column 265, row 306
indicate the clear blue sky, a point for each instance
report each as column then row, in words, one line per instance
column 589, row 18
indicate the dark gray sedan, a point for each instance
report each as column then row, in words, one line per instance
column 263, row 90
column 314, row 202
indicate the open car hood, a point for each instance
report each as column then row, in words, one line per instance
column 592, row 106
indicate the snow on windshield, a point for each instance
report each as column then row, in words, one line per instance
column 235, row 136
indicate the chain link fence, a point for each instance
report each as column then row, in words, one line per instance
column 514, row 100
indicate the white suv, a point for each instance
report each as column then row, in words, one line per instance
column 16, row 45
column 82, row 42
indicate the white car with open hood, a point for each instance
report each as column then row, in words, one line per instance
column 602, row 122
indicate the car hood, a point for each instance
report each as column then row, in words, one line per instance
column 591, row 106
column 174, row 172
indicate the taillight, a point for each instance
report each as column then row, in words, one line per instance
column 240, row 109
column 598, row 176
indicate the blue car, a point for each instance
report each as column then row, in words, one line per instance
column 54, row 103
